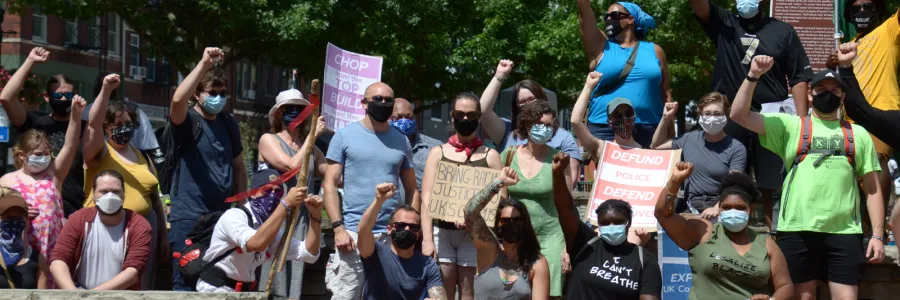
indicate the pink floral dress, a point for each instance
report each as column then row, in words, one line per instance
column 44, row 228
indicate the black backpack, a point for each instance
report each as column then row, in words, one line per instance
column 190, row 260
column 172, row 150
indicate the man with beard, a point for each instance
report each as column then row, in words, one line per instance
column 398, row 270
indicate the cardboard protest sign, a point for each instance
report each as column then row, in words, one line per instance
column 637, row 176
column 454, row 185
column 347, row 75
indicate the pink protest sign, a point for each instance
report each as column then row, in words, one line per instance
column 347, row 75
column 637, row 176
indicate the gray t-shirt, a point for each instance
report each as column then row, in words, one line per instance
column 369, row 158
column 712, row 161
column 103, row 254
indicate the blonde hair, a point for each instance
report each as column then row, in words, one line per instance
column 27, row 142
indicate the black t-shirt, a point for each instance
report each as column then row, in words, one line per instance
column 23, row 276
column 610, row 272
column 73, row 186
column 738, row 40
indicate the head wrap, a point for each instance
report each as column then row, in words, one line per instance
column 642, row 21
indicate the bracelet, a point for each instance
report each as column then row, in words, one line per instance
column 285, row 205
column 878, row 238
column 500, row 78
column 752, row 79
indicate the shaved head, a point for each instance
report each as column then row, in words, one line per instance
column 402, row 109
column 379, row 89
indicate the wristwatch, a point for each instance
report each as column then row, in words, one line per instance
column 337, row 224
column 752, row 79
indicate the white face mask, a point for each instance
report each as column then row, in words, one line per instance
column 39, row 162
column 713, row 125
column 109, row 203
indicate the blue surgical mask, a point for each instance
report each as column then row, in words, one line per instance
column 39, row 162
column 540, row 134
column 12, row 245
column 734, row 220
column 747, row 8
column 213, row 105
column 406, row 126
column 613, row 234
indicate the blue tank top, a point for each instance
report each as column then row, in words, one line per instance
column 641, row 86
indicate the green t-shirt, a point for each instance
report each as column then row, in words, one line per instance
column 824, row 198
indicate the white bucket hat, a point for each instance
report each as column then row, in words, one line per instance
column 288, row 97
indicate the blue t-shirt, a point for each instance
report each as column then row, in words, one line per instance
column 390, row 277
column 641, row 87
column 205, row 173
column 369, row 158
column 562, row 141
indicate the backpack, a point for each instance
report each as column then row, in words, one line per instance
column 803, row 149
column 190, row 260
column 173, row 150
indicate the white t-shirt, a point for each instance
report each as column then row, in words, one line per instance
column 231, row 231
column 102, row 254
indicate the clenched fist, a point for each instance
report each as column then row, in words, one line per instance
column 760, row 65
column 384, row 191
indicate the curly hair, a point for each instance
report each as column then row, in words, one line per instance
column 531, row 114
column 713, row 98
column 738, row 184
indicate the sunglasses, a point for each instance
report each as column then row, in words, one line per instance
column 511, row 220
column 459, row 115
column 224, row 94
column 868, row 6
column 287, row 108
column 617, row 15
column 379, row 99
column 407, row 226
column 59, row 96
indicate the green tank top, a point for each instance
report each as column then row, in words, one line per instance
column 719, row 272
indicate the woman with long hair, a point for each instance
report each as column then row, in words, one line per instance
column 728, row 260
column 510, row 264
column 449, row 242
column 642, row 76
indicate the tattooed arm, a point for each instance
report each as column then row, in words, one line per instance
column 486, row 243
column 437, row 293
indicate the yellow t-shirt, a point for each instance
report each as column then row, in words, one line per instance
column 140, row 181
column 875, row 65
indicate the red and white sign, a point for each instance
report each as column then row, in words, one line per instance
column 637, row 176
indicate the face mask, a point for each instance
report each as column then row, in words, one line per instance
column 713, row 125
column 734, row 220
column 380, row 112
column 109, row 203
column 826, row 102
column 623, row 128
column 11, row 242
column 289, row 116
column 213, row 105
column 613, row 28
column 540, row 134
column 465, row 127
column 403, row 239
column 864, row 20
column 748, row 8
column 406, row 126
column 61, row 107
column 511, row 233
column 613, row 234
column 122, row 134
column 263, row 206
column 39, row 162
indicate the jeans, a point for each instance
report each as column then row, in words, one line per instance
column 178, row 231
column 643, row 133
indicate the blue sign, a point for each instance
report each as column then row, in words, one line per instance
column 676, row 272
column 4, row 134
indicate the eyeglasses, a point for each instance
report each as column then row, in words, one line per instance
column 59, row 96
column 224, row 94
column 379, row 99
column 522, row 102
column 510, row 220
column 712, row 114
column 617, row 15
column 399, row 117
column 459, row 115
column 410, row 227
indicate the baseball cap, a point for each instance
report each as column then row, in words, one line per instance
column 288, row 97
column 826, row 75
column 611, row 107
column 12, row 201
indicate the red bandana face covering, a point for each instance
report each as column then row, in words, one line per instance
column 469, row 146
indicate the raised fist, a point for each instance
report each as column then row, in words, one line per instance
column 212, row 55
column 111, row 82
column 682, row 171
column 593, row 79
column 38, row 55
column 78, row 105
column 761, row 64
column 669, row 111
column 384, row 191
column 560, row 162
column 504, row 68
column 509, row 176
column 846, row 53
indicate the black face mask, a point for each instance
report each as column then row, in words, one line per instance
column 826, row 102
column 613, row 28
column 380, row 112
column 403, row 239
column 510, row 233
column 61, row 107
column 122, row 134
column 864, row 20
column 465, row 127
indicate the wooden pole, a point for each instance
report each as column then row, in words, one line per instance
column 293, row 216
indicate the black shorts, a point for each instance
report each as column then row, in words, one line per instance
column 838, row 258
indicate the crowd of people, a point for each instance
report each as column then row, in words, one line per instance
column 104, row 227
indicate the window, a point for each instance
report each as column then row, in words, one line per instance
column 112, row 39
column 437, row 112
column 72, row 32
column 165, row 72
column 246, row 81
column 39, row 32
column 151, row 68
column 134, row 50
column 94, row 37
